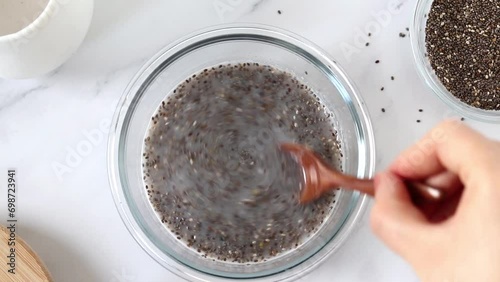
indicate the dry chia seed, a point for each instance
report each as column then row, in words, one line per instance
column 463, row 42
column 213, row 170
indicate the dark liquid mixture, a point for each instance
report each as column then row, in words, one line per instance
column 213, row 169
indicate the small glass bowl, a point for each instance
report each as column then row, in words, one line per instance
column 235, row 44
column 428, row 75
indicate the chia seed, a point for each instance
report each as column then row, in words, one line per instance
column 463, row 42
column 213, row 171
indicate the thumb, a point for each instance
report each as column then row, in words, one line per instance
column 395, row 219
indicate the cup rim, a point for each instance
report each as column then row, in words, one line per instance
column 33, row 25
column 357, row 210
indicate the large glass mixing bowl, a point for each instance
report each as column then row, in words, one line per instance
column 236, row 44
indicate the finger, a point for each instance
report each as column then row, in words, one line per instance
column 444, row 181
column 394, row 218
column 449, row 186
column 451, row 146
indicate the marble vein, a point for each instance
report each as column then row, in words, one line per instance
column 401, row 4
column 256, row 5
column 21, row 96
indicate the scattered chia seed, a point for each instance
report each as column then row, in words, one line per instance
column 279, row 12
column 418, row 121
column 382, row 89
column 367, row 44
column 213, row 171
column 462, row 119
column 383, row 110
column 402, row 34
column 377, row 61
column 369, row 34
column 392, row 77
column 463, row 42
column 407, row 29
column 421, row 110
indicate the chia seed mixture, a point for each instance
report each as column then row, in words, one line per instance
column 213, row 170
column 463, row 43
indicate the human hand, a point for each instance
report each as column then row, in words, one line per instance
column 457, row 240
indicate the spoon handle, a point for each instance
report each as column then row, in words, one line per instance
column 419, row 192
column 365, row 186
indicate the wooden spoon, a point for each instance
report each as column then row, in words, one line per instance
column 319, row 178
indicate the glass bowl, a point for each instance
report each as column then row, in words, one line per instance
column 426, row 72
column 236, row 44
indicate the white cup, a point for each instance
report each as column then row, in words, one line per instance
column 46, row 40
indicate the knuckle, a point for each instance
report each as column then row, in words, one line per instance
column 448, row 125
column 452, row 130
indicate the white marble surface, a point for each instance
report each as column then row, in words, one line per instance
column 71, row 221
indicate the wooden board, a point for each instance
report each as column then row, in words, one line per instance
column 28, row 266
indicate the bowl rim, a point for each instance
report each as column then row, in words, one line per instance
column 350, row 223
column 428, row 76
